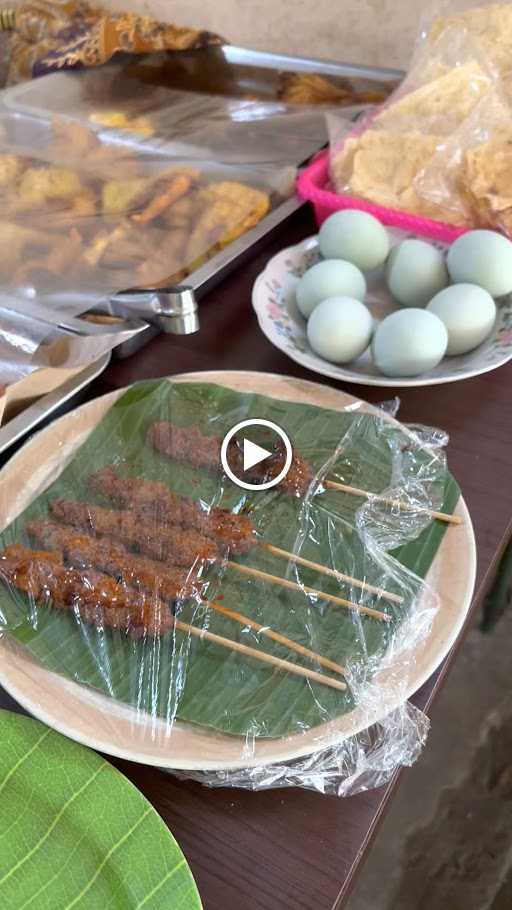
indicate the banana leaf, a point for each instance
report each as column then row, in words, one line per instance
column 76, row 833
column 196, row 680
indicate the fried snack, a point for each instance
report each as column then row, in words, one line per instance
column 181, row 213
column 118, row 195
column 135, row 227
column 92, row 597
column 178, row 186
column 439, row 106
column 159, row 504
column 490, row 26
column 311, row 88
column 11, row 167
column 118, row 120
column 14, row 240
column 382, row 166
column 39, row 184
column 230, row 209
column 62, row 256
column 84, row 552
column 182, row 548
column 485, row 179
column 71, row 140
column 102, row 240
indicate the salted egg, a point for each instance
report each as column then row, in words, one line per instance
column 483, row 258
column 415, row 272
column 409, row 342
column 468, row 313
column 355, row 236
column 329, row 279
column 340, row 329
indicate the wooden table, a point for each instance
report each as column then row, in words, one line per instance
column 291, row 848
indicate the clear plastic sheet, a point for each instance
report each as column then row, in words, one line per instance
column 450, row 82
column 88, row 212
column 130, row 98
column 469, row 176
column 131, row 586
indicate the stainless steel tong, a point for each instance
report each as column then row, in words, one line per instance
column 172, row 309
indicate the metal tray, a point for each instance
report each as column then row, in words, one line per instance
column 48, row 406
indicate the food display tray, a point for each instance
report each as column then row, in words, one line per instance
column 48, row 406
column 241, row 72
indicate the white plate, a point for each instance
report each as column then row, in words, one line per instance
column 118, row 729
column 273, row 299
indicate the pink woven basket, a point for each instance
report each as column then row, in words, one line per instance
column 314, row 185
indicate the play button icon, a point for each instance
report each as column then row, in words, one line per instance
column 253, row 454
column 240, row 455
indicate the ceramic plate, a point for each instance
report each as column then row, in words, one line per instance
column 76, row 833
column 274, row 302
column 118, row 729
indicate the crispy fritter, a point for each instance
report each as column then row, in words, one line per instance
column 41, row 183
column 11, row 167
column 118, row 195
column 229, row 210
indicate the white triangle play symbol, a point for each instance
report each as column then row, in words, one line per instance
column 253, row 454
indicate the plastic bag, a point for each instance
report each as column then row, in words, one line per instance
column 450, row 78
column 487, row 24
column 469, row 176
column 160, row 613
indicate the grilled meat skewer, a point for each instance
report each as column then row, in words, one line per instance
column 163, row 507
column 173, row 545
column 191, row 446
column 168, row 582
column 93, row 597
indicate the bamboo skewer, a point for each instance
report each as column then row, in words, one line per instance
column 262, row 656
column 333, row 573
column 355, row 491
column 285, row 583
column 276, row 636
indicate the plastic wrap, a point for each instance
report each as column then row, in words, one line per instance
column 469, row 176
column 130, row 582
column 88, row 212
column 403, row 157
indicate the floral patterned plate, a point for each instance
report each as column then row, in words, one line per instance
column 273, row 299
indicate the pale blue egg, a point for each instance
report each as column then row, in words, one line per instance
column 328, row 279
column 355, row 236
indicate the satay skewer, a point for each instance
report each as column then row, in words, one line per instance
column 191, row 445
column 388, row 500
column 92, row 596
column 165, row 544
column 155, row 501
column 169, row 583
column 304, row 589
column 262, row 656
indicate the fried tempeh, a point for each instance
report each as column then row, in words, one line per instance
column 179, row 547
column 93, row 597
column 190, row 445
column 166, row 508
column 81, row 551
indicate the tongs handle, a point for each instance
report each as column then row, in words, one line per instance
column 56, row 319
column 173, row 308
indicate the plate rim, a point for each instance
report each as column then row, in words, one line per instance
column 32, row 704
column 338, row 373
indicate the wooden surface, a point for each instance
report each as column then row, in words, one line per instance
column 296, row 849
